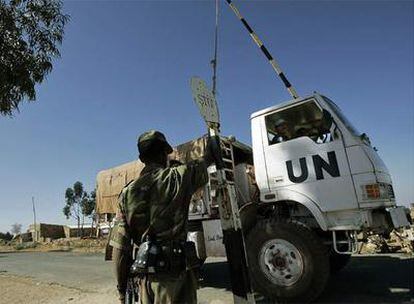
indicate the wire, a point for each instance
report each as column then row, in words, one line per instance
column 214, row 61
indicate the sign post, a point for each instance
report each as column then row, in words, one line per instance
column 227, row 201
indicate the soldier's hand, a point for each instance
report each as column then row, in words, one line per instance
column 213, row 152
column 208, row 156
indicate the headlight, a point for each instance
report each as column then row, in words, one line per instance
column 378, row 191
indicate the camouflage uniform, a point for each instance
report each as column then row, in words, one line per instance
column 160, row 196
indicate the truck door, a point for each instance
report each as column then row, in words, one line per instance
column 304, row 153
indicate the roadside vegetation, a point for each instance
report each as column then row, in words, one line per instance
column 30, row 35
column 85, row 245
column 79, row 205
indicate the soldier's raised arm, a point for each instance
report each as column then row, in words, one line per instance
column 194, row 174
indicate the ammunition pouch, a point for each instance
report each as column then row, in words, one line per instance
column 164, row 258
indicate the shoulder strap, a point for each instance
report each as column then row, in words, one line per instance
column 148, row 231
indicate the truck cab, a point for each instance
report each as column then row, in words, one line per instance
column 323, row 188
column 306, row 151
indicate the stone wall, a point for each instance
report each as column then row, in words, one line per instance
column 46, row 231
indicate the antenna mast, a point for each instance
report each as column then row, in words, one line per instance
column 260, row 44
column 214, row 60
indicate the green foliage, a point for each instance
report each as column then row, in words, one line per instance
column 6, row 236
column 79, row 203
column 75, row 197
column 25, row 246
column 88, row 206
column 30, row 33
column 19, row 247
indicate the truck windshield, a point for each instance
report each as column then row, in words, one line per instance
column 342, row 117
column 303, row 120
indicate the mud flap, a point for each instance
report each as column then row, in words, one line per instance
column 233, row 241
column 399, row 217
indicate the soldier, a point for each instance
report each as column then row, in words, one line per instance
column 153, row 213
column 283, row 132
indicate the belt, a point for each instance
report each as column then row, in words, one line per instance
column 166, row 257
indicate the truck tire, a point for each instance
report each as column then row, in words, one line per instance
column 287, row 262
column 338, row 261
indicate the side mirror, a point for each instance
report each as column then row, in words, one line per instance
column 364, row 137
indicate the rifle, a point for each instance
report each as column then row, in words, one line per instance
column 132, row 291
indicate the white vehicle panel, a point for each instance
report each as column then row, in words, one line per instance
column 358, row 160
column 375, row 159
column 330, row 193
column 363, row 159
column 258, row 154
column 350, row 219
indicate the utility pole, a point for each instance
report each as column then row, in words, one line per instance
column 34, row 220
column 226, row 198
column 214, row 60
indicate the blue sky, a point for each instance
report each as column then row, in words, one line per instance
column 126, row 65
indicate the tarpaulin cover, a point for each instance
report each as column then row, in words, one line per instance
column 110, row 182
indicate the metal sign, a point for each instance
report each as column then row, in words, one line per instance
column 205, row 100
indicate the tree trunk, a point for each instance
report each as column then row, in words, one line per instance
column 83, row 222
column 78, row 218
column 78, row 222
column 93, row 222
column 78, row 230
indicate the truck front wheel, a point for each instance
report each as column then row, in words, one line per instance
column 287, row 261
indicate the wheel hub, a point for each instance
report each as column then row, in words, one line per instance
column 281, row 262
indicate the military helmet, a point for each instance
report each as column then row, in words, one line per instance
column 280, row 122
column 151, row 140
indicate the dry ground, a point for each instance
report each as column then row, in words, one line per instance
column 21, row 290
column 67, row 277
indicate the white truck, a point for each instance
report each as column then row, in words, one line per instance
column 315, row 193
column 320, row 188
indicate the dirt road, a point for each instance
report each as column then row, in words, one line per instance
column 85, row 278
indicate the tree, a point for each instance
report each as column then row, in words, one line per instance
column 16, row 228
column 88, row 209
column 78, row 204
column 30, row 33
column 6, row 236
